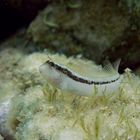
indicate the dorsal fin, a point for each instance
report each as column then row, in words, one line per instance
column 107, row 66
column 116, row 64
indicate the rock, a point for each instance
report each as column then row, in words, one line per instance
column 93, row 29
column 128, row 51
column 40, row 111
column 4, row 110
column 88, row 28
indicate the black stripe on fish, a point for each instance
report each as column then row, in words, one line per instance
column 76, row 78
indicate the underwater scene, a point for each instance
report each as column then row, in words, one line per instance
column 69, row 69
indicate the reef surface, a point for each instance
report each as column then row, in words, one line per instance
column 32, row 109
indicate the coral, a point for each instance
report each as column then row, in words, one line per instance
column 38, row 110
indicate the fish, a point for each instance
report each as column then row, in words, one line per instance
column 68, row 80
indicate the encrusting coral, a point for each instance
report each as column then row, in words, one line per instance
column 39, row 111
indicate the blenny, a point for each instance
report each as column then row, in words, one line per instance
column 70, row 81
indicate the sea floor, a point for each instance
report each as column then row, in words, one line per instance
column 32, row 109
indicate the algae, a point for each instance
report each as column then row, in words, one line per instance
column 40, row 111
column 32, row 109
